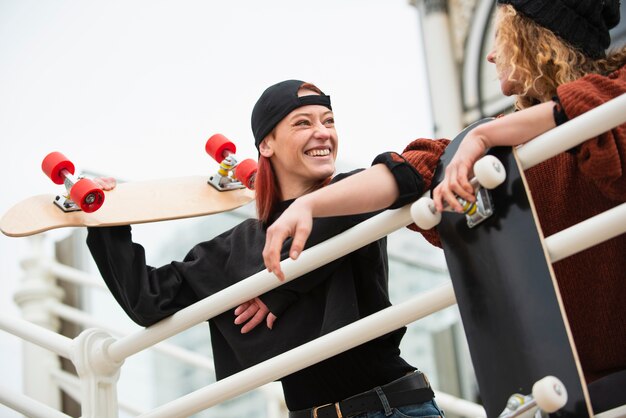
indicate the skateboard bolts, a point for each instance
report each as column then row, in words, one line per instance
column 226, row 165
column 469, row 208
column 90, row 198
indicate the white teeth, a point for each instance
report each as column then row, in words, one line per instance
column 318, row 152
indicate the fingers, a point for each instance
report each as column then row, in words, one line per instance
column 438, row 198
column 302, row 233
column 254, row 312
column 105, row 183
column 247, row 313
column 461, row 185
column 271, row 318
column 241, row 308
column 258, row 315
column 445, row 192
column 258, row 318
column 274, row 240
column 455, row 184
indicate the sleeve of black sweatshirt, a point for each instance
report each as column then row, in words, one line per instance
column 148, row 294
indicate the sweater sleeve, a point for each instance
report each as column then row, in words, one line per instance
column 423, row 155
column 601, row 159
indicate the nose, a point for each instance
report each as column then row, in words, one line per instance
column 322, row 131
column 491, row 57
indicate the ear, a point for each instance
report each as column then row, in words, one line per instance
column 265, row 148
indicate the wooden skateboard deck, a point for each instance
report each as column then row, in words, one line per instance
column 129, row 203
column 508, row 297
column 134, row 202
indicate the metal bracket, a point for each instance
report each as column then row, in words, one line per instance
column 521, row 406
column 223, row 183
column 224, row 179
column 480, row 210
column 66, row 204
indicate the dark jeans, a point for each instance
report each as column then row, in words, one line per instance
column 426, row 409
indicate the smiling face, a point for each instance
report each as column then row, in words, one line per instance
column 302, row 149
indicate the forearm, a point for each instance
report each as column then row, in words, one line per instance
column 516, row 128
column 368, row 191
column 146, row 294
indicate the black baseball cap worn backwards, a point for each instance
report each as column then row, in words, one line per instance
column 584, row 24
column 278, row 101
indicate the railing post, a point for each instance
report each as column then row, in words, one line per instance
column 98, row 374
column 36, row 289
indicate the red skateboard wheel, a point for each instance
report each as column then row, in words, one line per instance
column 245, row 172
column 217, row 145
column 54, row 163
column 86, row 194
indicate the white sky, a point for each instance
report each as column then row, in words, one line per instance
column 134, row 89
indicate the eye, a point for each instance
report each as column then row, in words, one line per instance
column 302, row 122
column 329, row 121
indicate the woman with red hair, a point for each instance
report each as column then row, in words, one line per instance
column 294, row 131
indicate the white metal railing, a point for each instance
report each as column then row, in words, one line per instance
column 27, row 405
column 37, row 335
column 261, row 282
column 310, row 353
column 74, row 276
column 587, row 233
column 573, row 132
column 98, row 357
column 71, row 385
column 79, row 317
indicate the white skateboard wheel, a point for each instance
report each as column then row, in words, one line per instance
column 550, row 394
column 489, row 172
column 424, row 213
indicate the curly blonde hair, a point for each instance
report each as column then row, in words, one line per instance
column 539, row 60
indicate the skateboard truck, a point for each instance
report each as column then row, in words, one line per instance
column 481, row 209
column 489, row 173
column 82, row 194
column 548, row 396
column 232, row 174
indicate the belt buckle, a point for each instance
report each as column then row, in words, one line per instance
column 337, row 409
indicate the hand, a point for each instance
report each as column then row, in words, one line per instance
column 254, row 311
column 105, row 183
column 295, row 222
column 458, row 172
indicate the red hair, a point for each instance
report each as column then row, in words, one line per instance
column 266, row 188
column 267, row 191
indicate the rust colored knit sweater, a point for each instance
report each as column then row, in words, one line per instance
column 568, row 189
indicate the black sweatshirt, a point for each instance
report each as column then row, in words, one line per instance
column 315, row 304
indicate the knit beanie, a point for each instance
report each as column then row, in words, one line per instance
column 278, row 101
column 584, row 24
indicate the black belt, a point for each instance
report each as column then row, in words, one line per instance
column 408, row 390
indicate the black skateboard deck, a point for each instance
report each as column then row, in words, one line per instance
column 508, row 297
